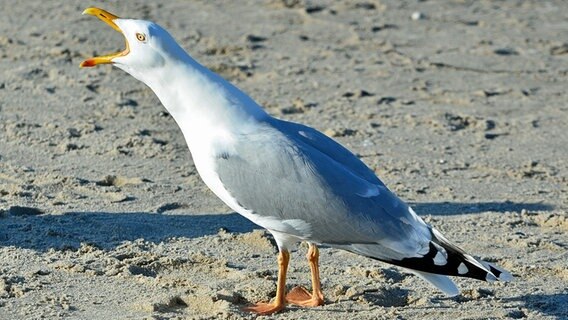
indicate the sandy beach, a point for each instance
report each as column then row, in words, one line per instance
column 460, row 107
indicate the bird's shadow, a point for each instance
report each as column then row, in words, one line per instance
column 555, row 304
column 106, row 230
column 43, row 232
column 457, row 208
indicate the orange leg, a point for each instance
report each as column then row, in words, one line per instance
column 279, row 302
column 299, row 295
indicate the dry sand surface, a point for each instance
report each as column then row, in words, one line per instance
column 459, row 106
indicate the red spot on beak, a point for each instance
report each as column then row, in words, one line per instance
column 88, row 63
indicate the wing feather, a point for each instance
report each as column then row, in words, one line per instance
column 278, row 173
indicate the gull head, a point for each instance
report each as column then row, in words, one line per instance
column 148, row 46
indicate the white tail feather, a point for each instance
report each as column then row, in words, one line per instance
column 444, row 283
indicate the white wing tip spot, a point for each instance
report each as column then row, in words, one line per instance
column 462, row 268
column 439, row 259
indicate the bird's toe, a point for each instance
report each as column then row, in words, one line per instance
column 264, row 308
column 302, row 297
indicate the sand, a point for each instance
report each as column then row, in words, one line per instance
column 459, row 106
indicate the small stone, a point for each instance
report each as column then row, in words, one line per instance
column 126, row 103
column 254, row 38
column 492, row 136
column 65, row 147
column 291, row 3
column 312, row 8
column 488, row 125
column 366, row 6
column 516, row 314
column 73, row 133
column 348, row 94
column 41, row 272
column 386, row 100
column 119, row 181
column 339, row 133
column 557, row 50
column 170, row 206
column 417, row 16
column 505, row 52
column 363, row 93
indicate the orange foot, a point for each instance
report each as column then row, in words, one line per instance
column 301, row 297
column 265, row 308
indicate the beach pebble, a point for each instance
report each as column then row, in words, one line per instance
column 417, row 16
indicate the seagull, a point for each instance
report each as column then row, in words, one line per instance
column 286, row 177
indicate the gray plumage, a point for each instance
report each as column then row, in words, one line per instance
column 292, row 172
column 297, row 181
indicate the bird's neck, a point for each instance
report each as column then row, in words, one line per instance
column 209, row 110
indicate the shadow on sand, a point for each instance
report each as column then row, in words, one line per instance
column 106, row 230
column 457, row 208
column 555, row 305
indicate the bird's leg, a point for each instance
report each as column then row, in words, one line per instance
column 299, row 295
column 280, row 301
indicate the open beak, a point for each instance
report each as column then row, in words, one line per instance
column 109, row 19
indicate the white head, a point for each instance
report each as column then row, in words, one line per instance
column 148, row 45
column 153, row 57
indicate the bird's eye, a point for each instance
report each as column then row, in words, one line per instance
column 141, row 37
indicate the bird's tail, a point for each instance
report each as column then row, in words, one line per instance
column 443, row 283
column 457, row 262
column 446, row 259
column 443, row 259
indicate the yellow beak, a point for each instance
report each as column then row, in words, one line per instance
column 109, row 19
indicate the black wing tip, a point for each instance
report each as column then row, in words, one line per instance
column 445, row 258
column 498, row 273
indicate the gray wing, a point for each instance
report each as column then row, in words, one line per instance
column 328, row 146
column 277, row 173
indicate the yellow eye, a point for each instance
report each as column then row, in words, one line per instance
column 140, row 37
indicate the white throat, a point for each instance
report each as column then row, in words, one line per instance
column 210, row 111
